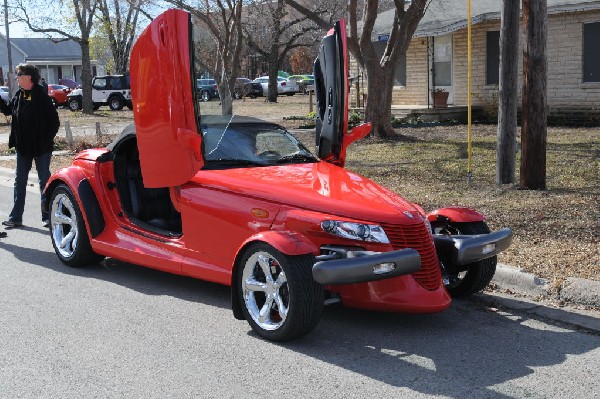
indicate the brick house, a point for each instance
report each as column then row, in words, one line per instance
column 437, row 56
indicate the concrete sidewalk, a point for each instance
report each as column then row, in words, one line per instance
column 577, row 304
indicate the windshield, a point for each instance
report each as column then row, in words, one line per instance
column 232, row 141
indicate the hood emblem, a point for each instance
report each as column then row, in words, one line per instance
column 407, row 213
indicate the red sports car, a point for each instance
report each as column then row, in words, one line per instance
column 58, row 94
column 242, row 202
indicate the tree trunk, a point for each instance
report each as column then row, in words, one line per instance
column 533, row 125
column 507, row 95
column 379, row 99
column 273, row 71
column 86, row 76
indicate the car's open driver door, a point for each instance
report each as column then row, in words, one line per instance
column 162, row 89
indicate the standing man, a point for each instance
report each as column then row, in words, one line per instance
column 44, row 84
column 34, row 124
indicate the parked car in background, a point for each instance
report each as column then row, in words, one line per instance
column 58, row 94
column 4, row 93
column 207, row 88
column 284, row 86
column 245, row 87
column 111, row 90
column 70, row 83
column 305, row 82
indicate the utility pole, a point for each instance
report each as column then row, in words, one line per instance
column 8, row 52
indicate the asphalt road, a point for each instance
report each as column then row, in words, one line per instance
column 116, row 330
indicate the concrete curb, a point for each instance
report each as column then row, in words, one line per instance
column 579, row 299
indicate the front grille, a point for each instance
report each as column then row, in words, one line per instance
column 417, row 236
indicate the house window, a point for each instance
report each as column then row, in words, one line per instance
column 400, row 71
column 492, row 76
column 591, row 55
column 442, row 61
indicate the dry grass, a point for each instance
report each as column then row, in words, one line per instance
column 557, row 231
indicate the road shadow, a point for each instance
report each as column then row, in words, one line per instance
column 470, row 350
column 141, row 279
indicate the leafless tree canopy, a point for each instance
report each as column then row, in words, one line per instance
column 67, row 20
column 119, row 22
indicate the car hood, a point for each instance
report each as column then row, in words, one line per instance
column 75, row 92
column 318, row 186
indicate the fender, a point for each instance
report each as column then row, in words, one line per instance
column 286, row 242
column 77, row 181
column 459, row 214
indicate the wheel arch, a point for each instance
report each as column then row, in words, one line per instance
column 287, row 242
column 86, row 198
column 458, row 214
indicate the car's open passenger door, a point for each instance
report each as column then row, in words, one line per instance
column 162, row 89
column 331, row 88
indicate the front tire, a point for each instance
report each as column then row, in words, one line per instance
column 475, row 276
column 67, row 229
column 75, row 104
column 278, row 296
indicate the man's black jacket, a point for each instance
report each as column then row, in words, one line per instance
column 34, row 124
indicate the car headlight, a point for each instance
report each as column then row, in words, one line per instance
column 355, row 231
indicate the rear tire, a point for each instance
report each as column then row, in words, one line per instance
column 277, row 293
column 476, row 276
column 116, row 103
column 54, row 102
column 204, row 96
column 67, row 229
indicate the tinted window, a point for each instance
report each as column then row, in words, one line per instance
column 591, row 55
column 492, row 76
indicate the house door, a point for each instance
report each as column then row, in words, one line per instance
column 442, row 65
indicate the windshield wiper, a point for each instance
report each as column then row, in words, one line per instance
column 300, row 157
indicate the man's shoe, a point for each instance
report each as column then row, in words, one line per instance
column 45, row 223
column 11, row 224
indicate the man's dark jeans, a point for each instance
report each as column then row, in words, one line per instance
column 24, row 162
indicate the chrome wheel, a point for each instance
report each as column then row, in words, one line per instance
column 265, row 291
column 276, row 292
column 63, row 225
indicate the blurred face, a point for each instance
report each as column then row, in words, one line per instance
column 24, row 80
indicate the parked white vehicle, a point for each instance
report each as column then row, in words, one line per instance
column 284, row 86
column 111, row 90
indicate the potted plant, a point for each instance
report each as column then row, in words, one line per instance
column 440, row 98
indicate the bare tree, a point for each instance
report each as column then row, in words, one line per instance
column 508, row 89
column 272, row 30
column 533, row 113
column 223, row 20
column 379, row 70
column 119, row 22
column 79, row 31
